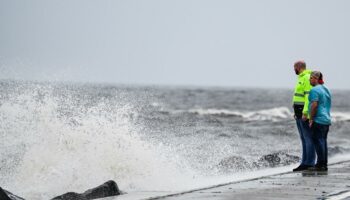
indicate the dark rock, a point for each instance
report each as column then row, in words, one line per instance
column 6, row 195
column 335, row 150
column 276, row 159
column 109, row 188
column 233, row 164
column 3, row 195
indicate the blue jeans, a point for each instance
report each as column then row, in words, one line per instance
column 308, row 155
column 319, row 137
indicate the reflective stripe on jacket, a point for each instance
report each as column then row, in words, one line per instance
column 302, row 89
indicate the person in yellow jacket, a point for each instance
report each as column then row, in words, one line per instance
column 300, row 105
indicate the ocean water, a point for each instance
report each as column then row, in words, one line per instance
column 59, row 137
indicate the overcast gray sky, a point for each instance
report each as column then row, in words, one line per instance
column 249, row 43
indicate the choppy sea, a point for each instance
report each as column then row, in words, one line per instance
column 60, row 137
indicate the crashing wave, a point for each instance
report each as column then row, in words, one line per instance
column 340, row 116
column 273, row 114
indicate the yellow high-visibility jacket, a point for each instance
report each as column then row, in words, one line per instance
column 301, row 91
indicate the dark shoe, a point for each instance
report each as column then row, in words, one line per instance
column 324, row 169
column 302, row 168
column 319, row 168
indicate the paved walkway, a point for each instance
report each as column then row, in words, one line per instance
column 334, row 184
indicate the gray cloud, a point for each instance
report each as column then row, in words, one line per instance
column 194, row 42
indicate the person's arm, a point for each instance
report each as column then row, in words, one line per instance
column 313, row 112
column 306, row 106
column 307, row 88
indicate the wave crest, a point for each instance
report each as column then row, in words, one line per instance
column 340, row 116
column 273, row 114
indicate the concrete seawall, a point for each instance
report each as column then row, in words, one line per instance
column 333, row 184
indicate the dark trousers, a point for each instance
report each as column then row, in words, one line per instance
column 307, row 144
column 319, row 137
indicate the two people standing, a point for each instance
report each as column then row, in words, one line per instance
column 312, row 114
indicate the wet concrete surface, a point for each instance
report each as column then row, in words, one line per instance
column 334, row 184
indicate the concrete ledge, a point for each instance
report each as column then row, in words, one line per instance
column 334, row 184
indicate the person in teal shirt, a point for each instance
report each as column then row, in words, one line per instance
column 320, row 102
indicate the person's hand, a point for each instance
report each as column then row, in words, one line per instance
column 310, row 123
column 304, row 117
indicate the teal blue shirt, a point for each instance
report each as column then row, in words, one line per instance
column 321, row 94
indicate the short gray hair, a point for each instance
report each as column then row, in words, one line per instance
column 300, row 63
column 316, row 74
